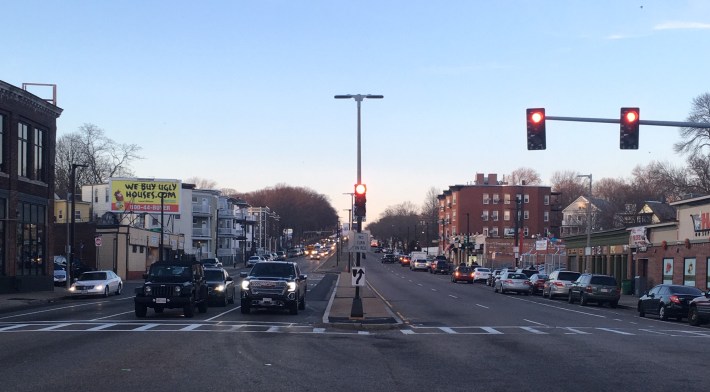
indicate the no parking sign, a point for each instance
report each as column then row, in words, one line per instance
column 97, row 240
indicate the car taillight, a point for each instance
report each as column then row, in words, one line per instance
column 508, row 281
column 472, row 274
column 675, row 299
column 456, row 273
column 589, row 289
column 559, row 284
column 529, row 283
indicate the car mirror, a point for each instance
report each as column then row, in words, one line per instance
column 243, row 274
column 303, row 276
column 229, row 279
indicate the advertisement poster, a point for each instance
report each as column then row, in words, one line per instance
column 138, row 195
column 667, row 271
column 689, row 272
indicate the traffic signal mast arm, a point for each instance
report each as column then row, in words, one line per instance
column 641, row 122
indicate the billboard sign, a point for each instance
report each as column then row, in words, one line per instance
column 140, row 195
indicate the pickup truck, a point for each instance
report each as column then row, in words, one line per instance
column 276, row 285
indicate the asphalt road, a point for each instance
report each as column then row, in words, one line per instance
column 455, row 337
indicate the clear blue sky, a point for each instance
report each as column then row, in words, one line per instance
column 241, row 92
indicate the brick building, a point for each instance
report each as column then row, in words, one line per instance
column 488, row 209
column 28, row 127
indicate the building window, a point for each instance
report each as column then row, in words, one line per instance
column 494, row 231
column 689, row 271
column 106, row 199
column 486, row 200
column 96, row 195
column 496, row 199
column 31, row 252
column 454, row 199
column 668, row 270
column 38, row 158
column 526, row 198
column 546, row 216
column 2, row 142
column 526, row 231
column 506, row 198
column 22, row 142
column 494, row 216
column 526, row 214
column 135, row 248
column 518, row 198
column 3, row 204
column 506, row 215
column 484, row 216
column 546, row 200
column 485, row 231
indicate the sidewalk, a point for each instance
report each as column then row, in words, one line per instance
column 23, row 300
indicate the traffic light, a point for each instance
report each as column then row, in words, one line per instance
column 536, row 129
column 360, row 200
column 629, row 138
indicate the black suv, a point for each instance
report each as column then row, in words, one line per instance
column 592, row 287
column 275, row 284
column 170, row 285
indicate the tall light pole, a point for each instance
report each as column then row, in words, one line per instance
column 356, row 310
column 70, row 251
column 589, row 220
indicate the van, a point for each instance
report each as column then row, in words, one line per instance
column 559, row 283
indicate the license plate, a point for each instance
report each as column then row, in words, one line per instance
column 266, row 300
column 161, row 300
column 84, row 291
column 605, row 290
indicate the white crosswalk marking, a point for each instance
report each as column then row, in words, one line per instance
column 54, row 327
column 102, row 326
column 615, row 331
column 491, row 331
column 533, row 330
column 575, row 331
column 191, row 327
column 145, row 327
column 447, row 330
column 11, row 327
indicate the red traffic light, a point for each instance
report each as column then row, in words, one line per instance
column 360, row 189
column 537, row 116
column 629, row 135
column 631, row 116
column 536, row 129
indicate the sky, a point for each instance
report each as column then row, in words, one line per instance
column 242, row 92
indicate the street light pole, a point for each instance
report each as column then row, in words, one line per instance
column 589, row 220
column 356, row 310
column 70, row 251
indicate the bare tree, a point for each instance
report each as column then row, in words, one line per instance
column 202, row 183
column 430, row 212
column 696, row 141
column 525, row 175
column 569, row 186
column 90, row 146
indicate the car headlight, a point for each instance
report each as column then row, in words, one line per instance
column 99, row 287
column 245, row 284
column 147, row 290
column 291, row 286
column 72, row 288
column 178, row 290
column 219, row 288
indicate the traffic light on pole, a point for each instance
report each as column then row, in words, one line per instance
column 360, row 200
column 536, row 129
column 629, row 138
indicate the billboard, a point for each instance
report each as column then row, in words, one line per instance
column 140, row 195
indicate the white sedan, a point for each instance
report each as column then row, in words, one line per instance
column 97, row 283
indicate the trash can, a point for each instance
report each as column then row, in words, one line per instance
column 640, row 285
column 626, row 287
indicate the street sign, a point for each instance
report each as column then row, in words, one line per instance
column 358, row 276
column 359, row 242
column 97, row 240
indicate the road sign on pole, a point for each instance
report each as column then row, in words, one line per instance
column 358, row 276
column 97, row 240
column 359, row 242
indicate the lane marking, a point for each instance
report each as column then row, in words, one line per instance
column 273, row 329
column 3, row 329
column 483, row 306
column 434, row 290
column 448, row 330
column 363, row 332
column 113, row 315
column 533, row 330
column 535, row 322
column 145, row 327
column 102, row 326
column 223, row 313
column 318, row 330
column 575, row 331
column 558, row 307
column 419, row 284
column 191, row 327
column 615, row 331
column 492, row 331
column 453, row 296
column 660, row 333
column 52, row 310
column 53, row 327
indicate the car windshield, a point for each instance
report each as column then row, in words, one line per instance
column 93, row 276
column 686, row 290
column 214, row 275
column 483, row 270
column 463, row 269
column 272, row 269
column 517, row 276
column 541, row 276
column 168, row 272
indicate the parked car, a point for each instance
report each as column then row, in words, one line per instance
column 211, row 262
column 462, row 274
column 597, row 288
column 537, row 282
column 481, row 274
column 281, row 255
column 559, row 283
column 97, row 283
column 668, row 300
column 492, row 277
column 699, row 310
column 419, row 264
column 439, row 266
column 60, row 274
column 512, row 281
column 220, row 286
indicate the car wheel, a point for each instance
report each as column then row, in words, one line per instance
column 570, row 299
column 302, row 304
column 225, row 301
column 293, row 308
column 141, row 310
column 662, row 314
column 693, row 317
column 495, row 289
column 118, row 290
column 583, row 299
column 106, row 291
column 639, row 307
column 189, row 310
